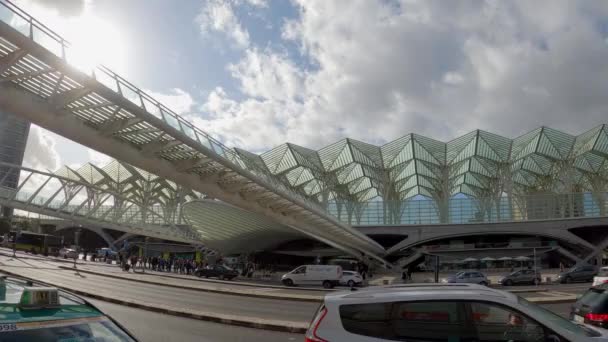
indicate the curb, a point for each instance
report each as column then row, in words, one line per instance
column 257, row 323
column 229, row 292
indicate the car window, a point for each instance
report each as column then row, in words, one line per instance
column 96, row 329
column 596, row 299
column 589, row 268
column 404, row 321
column 496, row 323
column 556, row 319
column 603, row 272
column 300, row 270
column 516, row 273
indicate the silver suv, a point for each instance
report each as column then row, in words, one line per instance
column 440, row 312
column 468, row 277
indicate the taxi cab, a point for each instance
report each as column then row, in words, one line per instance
column 32, row 312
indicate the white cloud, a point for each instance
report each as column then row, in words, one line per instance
column 218, row 16
column 176, row 99
column 383, row 69
column 258, row 3
column 41, row 150
column 98, row 158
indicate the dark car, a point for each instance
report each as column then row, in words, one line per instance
column 217, row 271
column 521, row 277
column 578, row 273
column 592, row 307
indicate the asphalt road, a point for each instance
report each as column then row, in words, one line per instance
column 150, row 326
column 155, row 327
column 44, row 271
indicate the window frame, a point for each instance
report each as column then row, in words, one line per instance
column 469, row 325
column 547, row 331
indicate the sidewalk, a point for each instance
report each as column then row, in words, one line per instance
column 200, row 285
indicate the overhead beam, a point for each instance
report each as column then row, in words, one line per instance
column 114, row 126
column 26, row 75
column 188, row 164
column 150, row 149
column 9, row 60
column 61, row 100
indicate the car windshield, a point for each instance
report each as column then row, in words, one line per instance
column 538, row 311
column 96, row 329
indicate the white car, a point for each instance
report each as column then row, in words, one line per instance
column 601, row 277
column 440, row 312
column 351, row 278
column 67, row 253
column 326, row 275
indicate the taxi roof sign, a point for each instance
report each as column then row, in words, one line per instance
column 39, row 297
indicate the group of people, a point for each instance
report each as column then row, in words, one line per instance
column 175, row 265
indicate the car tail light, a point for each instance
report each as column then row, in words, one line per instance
column 311, row 334
column 605, row 281
column 594, row 318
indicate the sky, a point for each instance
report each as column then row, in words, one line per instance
column 258, row 73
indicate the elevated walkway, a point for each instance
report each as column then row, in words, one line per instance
column 105, row 112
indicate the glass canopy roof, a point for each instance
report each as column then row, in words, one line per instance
column 476, row 164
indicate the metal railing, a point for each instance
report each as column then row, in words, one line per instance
column 41, row 34
column 471, row 210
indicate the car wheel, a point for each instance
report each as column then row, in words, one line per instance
column 351, row 283
column 287, row 282
column 508, row 282
column 484, row 283
column 327, row 284
column 568, row 280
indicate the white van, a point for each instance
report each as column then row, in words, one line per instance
column 326, row 275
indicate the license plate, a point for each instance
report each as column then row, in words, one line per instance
column 579, row 319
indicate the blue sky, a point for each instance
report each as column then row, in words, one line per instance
column 257, row 73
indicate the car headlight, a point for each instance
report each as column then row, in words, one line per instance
column 444, row 280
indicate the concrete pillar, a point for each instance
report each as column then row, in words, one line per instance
column 13, row 139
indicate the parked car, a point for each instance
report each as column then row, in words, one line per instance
column 592, row 307
column 440, row 312
column 326, row 275
column 351, row 279
column 601, row 277
column 68, row 253
column 470, row 277
column 217, row 271
column 578, row 273
column 521, row 277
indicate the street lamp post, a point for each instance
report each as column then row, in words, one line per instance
column 76, row 242
column 145, row 254
column 17, row 233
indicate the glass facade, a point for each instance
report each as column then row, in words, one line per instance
column 13, row 139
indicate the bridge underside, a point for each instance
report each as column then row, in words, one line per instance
column 416, row 236
column 120, row 120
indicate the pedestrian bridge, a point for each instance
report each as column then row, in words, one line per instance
column 82, row 203
column 105, row 112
